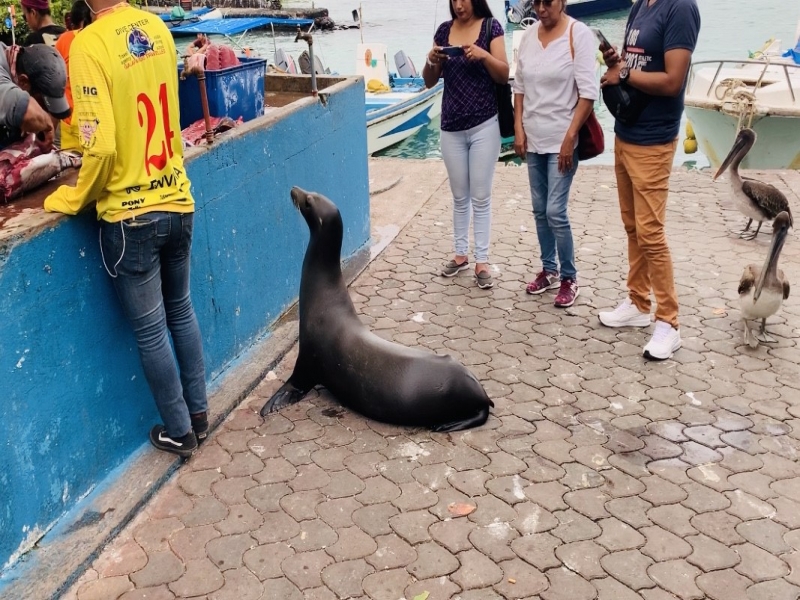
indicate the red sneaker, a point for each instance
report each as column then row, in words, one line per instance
column 567, row 293
column 544, row 281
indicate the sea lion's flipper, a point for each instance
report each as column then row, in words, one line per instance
column 287, row 394
column 474, row 421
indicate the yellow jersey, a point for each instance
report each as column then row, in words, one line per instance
column 124, row 77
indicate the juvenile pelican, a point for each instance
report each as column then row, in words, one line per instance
column 763, row 290
column 758, row 201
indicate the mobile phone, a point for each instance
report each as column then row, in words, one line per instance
column 604, row 43
column 452, row 50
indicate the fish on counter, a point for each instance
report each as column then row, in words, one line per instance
column 24, row 166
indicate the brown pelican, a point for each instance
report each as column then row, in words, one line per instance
column 763, row 290
column 756, row 200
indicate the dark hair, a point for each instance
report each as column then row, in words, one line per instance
column 80, row 13
column 480, row 8
column 42, row 12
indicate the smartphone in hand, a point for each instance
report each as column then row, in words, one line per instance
column 452, row 50
column 604, row 43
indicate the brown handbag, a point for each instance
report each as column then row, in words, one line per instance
column 591, row 141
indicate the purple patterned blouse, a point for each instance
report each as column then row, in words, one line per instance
column 469, row 93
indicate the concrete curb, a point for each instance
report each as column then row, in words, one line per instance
column 47, row 572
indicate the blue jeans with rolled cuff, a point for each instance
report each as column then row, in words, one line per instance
column 550, row 194
column 148, row 258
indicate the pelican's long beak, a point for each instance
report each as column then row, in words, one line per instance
column 739, row 146
column 778, row 239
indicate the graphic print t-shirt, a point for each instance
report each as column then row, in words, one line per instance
column 124, row 79
column 656, row 29
column 48, row 34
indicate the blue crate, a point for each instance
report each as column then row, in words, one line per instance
column 233, row 92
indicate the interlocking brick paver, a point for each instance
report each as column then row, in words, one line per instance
column 494, row 540
column 599, row 475
column 201, row 577
column 538, row 550
column 710, row 555
column 619, row 536
column 724, row 585
column 677, row 577
column 123, row 559
column 161, row 568
column 766, row 534
column 662, row 545
column 629, row 567
column 583, row 558
column 777, row 589
column 566, row 585
column 107, row 588
column 759, row 565
column 158, row 593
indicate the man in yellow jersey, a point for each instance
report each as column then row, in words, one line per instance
column 124, row 79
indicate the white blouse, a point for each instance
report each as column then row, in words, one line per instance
column 551, row 83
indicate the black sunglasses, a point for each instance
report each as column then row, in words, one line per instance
column 547, row 3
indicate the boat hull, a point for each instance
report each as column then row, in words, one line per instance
column 586, row 8
column 777, row 146
column 724, row 95
column 392, row 118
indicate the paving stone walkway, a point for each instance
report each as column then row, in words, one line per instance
column 599, row 475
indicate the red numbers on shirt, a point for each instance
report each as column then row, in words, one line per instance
column 148, row 119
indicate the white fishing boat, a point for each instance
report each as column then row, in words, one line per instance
column 763, row 93
column 396, row 107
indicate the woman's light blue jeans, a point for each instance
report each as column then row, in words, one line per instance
column 148, row 258
column 550, row 193
column 470, row 157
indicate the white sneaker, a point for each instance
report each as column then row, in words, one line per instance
column 625, row 315
column 666, row 340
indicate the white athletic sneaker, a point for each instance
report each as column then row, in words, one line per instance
column 625, row 315
column 666, row 340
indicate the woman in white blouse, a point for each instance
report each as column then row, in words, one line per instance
column 555, row 87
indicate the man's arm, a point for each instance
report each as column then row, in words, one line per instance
column 667, row 83
column 97, row 132
column 13, row 102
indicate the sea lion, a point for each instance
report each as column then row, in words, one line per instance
column 381, row 380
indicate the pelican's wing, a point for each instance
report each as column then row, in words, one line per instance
column 748, row 279
column 767, row 197
column 784, row 283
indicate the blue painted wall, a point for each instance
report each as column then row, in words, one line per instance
column 74, row 398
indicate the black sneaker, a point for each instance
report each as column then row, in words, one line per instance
column 200, row 426
column 183, row 446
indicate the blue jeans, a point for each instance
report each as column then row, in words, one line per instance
column 148, row 259
column 550, row 193
column 470, row 157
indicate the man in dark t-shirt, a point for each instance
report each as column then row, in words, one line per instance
column 43, row 29
column 660, row 38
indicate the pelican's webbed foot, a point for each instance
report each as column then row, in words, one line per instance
column 763, row 336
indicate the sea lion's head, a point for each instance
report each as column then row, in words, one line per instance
column 320, row 213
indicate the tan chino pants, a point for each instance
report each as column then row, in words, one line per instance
column 643, row 184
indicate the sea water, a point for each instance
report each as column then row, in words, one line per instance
column 730, row 29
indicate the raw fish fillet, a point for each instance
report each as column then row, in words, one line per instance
column 194, row 133
column 25, row 167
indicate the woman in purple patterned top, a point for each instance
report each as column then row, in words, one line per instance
column 469, row 53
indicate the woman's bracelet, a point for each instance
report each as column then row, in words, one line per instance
column 432, row 65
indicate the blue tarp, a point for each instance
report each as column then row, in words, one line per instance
column 236, row 25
